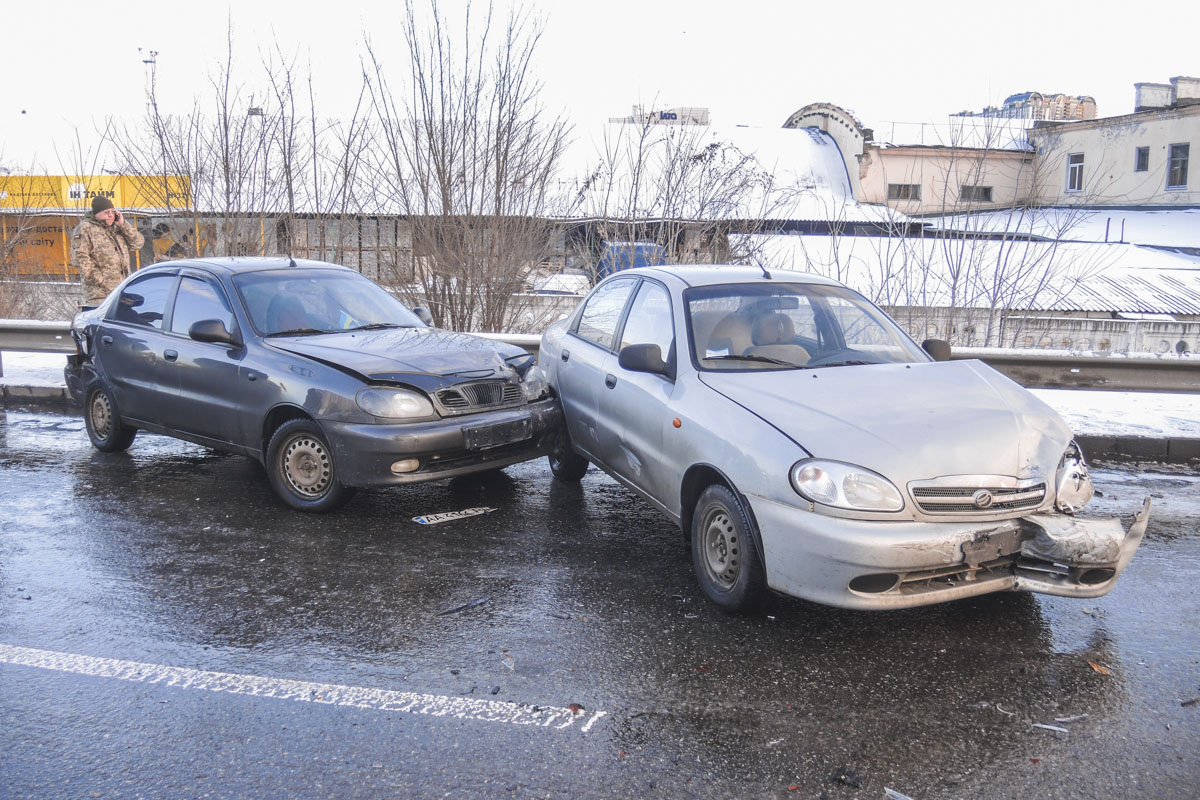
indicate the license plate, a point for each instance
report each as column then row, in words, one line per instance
column 991, row 545
column 482, row 437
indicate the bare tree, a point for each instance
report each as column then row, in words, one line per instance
column 467, row 155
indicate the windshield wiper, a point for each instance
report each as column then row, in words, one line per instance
column 843, row 364
column 298, row 332
column 378, row 326
column 764, row 359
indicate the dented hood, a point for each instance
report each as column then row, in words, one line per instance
column 399, row 351
column 907, row 421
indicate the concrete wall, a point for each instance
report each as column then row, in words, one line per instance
column 1109, row 148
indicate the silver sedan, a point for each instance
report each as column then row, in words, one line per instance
column 806, row 445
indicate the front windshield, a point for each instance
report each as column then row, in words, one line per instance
column 297, row 301
column 791, row 326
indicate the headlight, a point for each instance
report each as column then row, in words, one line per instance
column 535, row 386
column 394, row 403
column 833, row 483
column 1072, row 485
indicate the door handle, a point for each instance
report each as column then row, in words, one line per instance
column 610, row 380
column 170, row 355
column 106, row 339
column 566, row 355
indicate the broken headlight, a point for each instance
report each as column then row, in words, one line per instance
column 833, row 483
column 534, row 385
column 1072, row 483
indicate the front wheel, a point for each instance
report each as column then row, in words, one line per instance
column 104, row 426
column 565, row 464
column 302, row 470
column 725, row 552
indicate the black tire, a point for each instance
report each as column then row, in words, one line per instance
column 302, row 470
column 565, row 464
column 103, row 420
column 725, row 551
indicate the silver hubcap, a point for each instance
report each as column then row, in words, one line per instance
column 101, row 414
column 307, row 466
column 722, row 551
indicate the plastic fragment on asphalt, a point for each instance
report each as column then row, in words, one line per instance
column 1191, row 702
column 470, row 605
column 1075, row 718
column 449, row 516
column 1050, row 727
column 1099, row 668
column 894, row 795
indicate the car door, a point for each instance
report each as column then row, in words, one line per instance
column 585, row 355
column 205, row 375
column 132, row 345
column 639, row 403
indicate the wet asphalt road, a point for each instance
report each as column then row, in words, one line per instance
column 180, row 559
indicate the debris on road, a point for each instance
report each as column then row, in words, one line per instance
column 510, row 663
column 1075, row 718
column 848, row 777
column 472, row 604
column 1191, row 702
column 434, row 519
column 894, row 795
column 1049, row 727
column 1099, row 668
column 559, row 615
column 575, row 708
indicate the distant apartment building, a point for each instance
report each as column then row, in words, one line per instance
column 1037, row 106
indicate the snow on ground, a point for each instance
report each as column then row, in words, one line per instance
column 1093, row 413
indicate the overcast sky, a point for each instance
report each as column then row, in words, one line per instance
column 70, row 64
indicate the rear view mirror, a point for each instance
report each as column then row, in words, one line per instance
column 644, row 358
column 213, row 331
column 423, row 314
column 938, row 348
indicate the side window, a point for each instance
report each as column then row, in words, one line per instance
column 650, row 320
column 198, row 299
column 144, row 302
column 598, row 323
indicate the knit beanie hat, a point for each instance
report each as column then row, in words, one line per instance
column 100, row 204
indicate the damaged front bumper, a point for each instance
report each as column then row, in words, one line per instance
column 882, row 565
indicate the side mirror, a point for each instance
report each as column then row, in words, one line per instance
column 938, row 348
column 644, row 358
column 213, row 331
column 423, row 313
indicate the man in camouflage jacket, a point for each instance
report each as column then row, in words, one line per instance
column 100, row 249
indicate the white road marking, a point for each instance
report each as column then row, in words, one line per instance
column 430, row 705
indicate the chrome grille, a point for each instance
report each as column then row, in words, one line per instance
column 944, row 497
column 467, row 397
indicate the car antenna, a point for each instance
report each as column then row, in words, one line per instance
column 766, row 274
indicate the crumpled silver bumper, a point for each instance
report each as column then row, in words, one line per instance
column 1076, row 557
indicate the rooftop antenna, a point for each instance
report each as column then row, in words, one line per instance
column 766, row 274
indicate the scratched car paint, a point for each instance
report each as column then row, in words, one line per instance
column 806, row 445
column 308, row 367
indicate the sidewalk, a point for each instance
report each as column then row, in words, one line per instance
column 1121, row 426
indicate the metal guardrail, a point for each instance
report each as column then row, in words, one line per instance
column 1036, row 369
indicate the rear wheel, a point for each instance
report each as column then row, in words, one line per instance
column 725, row 553
column 301, row 468
column 565, row 463
column 104, row 426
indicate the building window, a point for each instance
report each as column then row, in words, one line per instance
column 904, row 191
column 1075, row 172
column 976, row 194
column 1141, row 159
column 1177, row 166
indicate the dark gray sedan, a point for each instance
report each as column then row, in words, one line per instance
column 311, row 368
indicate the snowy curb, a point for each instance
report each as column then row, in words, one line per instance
column 55, row 397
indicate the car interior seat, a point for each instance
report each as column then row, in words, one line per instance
column 286, row 313
column 774, row 336
column 730, row 336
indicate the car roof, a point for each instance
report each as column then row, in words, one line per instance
column 710, row 275
column 239, row 264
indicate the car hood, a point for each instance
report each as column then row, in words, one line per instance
column 908, row 421
column 397, row 353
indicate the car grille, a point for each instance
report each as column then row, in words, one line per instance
column 480, row 395
column 941, row 497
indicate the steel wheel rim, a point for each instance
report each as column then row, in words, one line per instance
column 101, row 415
column 307, row 466
column 721, row 549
